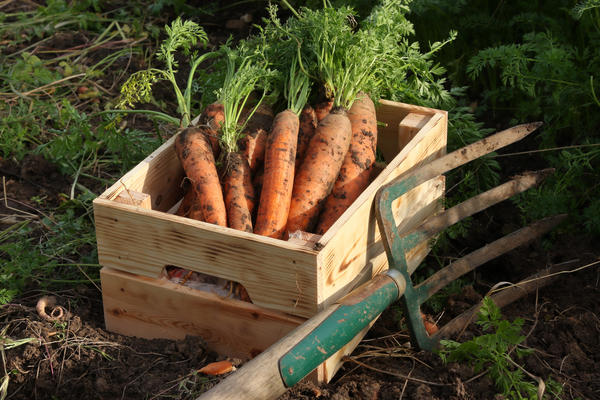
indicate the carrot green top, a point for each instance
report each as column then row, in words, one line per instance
column 246, row 72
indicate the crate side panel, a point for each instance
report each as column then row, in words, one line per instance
column 156, row 308
column 390, row 140
column 351, row 246
column 280, row 277
column 159, row 175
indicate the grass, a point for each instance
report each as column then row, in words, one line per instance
column 63, row 66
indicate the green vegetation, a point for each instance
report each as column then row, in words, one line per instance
column 544, row 67
column 493, row 352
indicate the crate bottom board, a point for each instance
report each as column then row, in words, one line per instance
column 154, row 308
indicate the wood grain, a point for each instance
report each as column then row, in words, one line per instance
column 157, row 308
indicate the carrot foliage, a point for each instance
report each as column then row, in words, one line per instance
column 247, row 72
column 181, row 36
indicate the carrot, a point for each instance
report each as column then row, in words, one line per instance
column 280, row 156
column 308, row 124
column 356, row 169
column 243, row 77
column 211, row 120
column 278, row 175
column 238, row 192
column 430, row 325
column 252, row 144
column 186, row 204
column 322, row 162
column 217, row 368
column 195, row 154
column 322, row 109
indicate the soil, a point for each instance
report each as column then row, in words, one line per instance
column 75, row 356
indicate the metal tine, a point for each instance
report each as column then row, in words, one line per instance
column 414, row 177
column 482, row 255
column 433, row 225
column 464, row 155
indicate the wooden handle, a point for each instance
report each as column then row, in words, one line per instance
column 282, row 365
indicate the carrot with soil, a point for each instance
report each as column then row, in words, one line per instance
column 244, row 75
column 254, row 139
column 280, row 156
column 308, row 124
column 322, row 109
column 356, row 169
column 211, row 120
column 195, row 154
column 331, row 46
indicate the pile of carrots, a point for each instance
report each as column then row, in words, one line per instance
column 299, row 169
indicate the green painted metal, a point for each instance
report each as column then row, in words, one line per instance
column 333, row 333
column 396, row 247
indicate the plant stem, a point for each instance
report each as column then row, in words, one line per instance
column 159, row 115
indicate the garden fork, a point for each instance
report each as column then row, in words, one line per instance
column 293, row 357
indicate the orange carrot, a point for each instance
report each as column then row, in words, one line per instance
column 322, row 162
column 308, row 124
column 211, row 120
column 252, row 144
column 195, row 154
column 356, row 169
column 430, row 325
column 186, row 204
column 217, row 368
column 322, row 109
column 238, row 192
column 278, row 178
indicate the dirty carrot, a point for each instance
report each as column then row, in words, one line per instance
column 278, row 176
column 239, row 192
column 322, row 109
column 254, row 139
column 211, row 119
column 322, row 162
column 244, row 75
column 280, row 157
column 356, row 169
column 195, row 154
column 308, row 124
column 186, row 203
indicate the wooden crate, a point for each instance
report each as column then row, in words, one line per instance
column 158, row 308
column 288, row 281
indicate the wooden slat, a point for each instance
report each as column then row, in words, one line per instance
column 277, row 274
column 409, row 127
column 135, row 199
column 158, row 175
column 157, row 308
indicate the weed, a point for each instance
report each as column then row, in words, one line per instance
column 492, row 352
column 181, row 36
column 34, row 254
